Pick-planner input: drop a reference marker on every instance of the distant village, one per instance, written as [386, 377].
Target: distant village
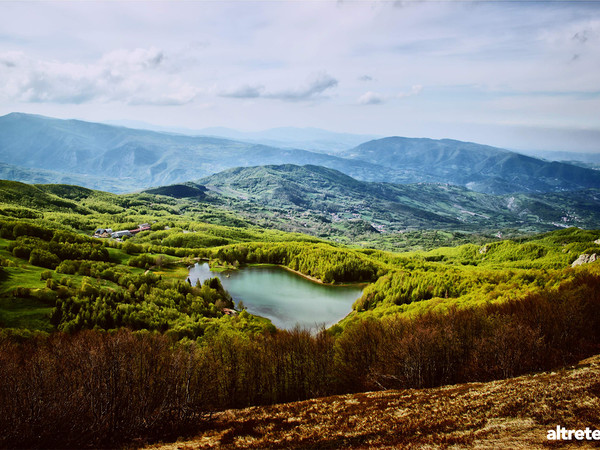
[109, 233]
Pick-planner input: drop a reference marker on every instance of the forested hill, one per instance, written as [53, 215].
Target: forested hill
[337, 198]
[478, 167]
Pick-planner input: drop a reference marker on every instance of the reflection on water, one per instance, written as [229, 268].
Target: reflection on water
[284, 297]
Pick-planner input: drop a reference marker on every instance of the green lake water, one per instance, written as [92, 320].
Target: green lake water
[283, 297]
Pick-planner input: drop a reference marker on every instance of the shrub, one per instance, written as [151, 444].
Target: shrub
[43, 258]
[46, 274]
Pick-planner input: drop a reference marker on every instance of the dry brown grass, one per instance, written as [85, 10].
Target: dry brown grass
[514, 413]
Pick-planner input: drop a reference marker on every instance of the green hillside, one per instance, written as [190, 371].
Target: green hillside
[330, 203]
[208, 227]
[187, 190]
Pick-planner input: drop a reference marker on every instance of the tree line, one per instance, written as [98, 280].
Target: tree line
[323, 261]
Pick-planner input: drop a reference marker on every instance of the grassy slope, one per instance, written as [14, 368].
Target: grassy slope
[514, 413]
[34, 314]
[21, 312]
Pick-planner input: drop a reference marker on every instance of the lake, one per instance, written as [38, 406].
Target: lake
[283, 297]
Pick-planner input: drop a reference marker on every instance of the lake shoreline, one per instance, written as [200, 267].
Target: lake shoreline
[285, 297]
[316, 280]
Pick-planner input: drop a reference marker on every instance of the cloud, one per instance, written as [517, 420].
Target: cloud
[316, 85]
[581, 36]
[374, 98]
[245, 91]
[414, 90]
[365, 78]
[370, 98]
[136, 77]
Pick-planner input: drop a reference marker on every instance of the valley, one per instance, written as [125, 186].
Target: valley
[329, 204]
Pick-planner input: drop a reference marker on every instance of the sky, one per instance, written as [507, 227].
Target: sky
[519, 75]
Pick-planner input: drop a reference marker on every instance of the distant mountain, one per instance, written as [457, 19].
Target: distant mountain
[312, 139]
[37, 148]
[552, 155]
[587, 160]
[42, 176]
[119, 159]
[475, 166]
[337, 197]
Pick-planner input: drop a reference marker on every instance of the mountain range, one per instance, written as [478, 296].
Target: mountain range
[119, 159]
[478, 167]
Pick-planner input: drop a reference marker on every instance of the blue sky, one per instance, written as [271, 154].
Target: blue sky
[523, 75]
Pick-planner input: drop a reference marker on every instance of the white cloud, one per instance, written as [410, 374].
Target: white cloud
[374, 98]
[371, 98]
[484, 62]
[414, 90]
[245, 91]
[315, 86]
[130, 76]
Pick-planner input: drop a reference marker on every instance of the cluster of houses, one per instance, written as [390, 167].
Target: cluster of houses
[109, 233]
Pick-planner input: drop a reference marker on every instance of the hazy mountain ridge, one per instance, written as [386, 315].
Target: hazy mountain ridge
[139, 158]
[308, 138]
[42, 176]
[577, 158]
[479, 167]
[119, 159]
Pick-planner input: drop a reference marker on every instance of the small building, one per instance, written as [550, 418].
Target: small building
[103, 233]
[122, 233]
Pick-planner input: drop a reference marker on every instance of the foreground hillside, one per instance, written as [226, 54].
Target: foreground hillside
[514, 413]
